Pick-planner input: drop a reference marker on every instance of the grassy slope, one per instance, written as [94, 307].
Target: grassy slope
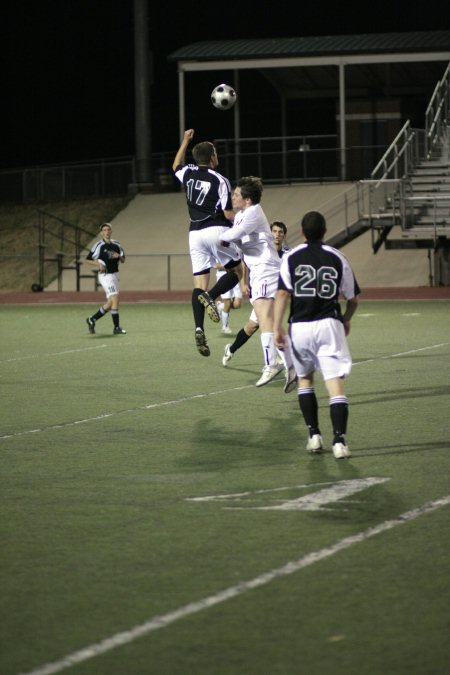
[19, 237]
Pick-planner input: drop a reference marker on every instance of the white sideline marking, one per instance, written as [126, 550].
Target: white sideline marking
[164, 620]
[394, 356]
[148, 406]
[40, 356]
[151, 406]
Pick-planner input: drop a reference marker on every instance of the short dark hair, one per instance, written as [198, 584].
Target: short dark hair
[251, 188]
[314, 226]
[280, 224]
[202, 152]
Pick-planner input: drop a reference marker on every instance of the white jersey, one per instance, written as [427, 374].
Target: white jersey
[251, 232]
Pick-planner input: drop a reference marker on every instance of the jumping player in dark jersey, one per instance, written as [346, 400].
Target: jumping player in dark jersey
[314, 276]
[105, 255]
[208, 196]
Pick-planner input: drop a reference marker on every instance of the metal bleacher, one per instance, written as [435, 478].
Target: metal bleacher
[405, 204]
[409, 203]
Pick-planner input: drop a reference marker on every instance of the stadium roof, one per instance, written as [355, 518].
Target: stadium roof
[332, 66]
[327, 45]
[299, 66]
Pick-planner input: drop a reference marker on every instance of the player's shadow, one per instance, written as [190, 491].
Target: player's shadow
[396, 394]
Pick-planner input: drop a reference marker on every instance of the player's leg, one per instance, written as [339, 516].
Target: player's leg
[227, 281]
[227, 256]
[307, 401]
[104, 280]
[335, 364]
[201, 266]
[264, 310]
[200, 286]
[301, 341]
[225, 316]
[241, 338]
[339, 416]
[115, 315]
[290, 375]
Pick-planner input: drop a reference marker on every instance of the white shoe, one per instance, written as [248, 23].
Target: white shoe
[341, 451]
[268, 373]
[314, 444]
[226, 330]
[227, 355]
[291, 380]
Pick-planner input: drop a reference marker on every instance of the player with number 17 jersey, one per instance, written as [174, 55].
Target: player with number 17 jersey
[316, 275]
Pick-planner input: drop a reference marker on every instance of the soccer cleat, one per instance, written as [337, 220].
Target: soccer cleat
[268, 373]
[201, 342]
[226, 330]
[227, 355]
[208, 303]
[118, 330]
[314, 444]
[341, 451]
[291, 380]
[91, 325]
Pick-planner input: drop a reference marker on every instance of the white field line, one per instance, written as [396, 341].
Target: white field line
[164, 620]
[152, 406]
[40, 356]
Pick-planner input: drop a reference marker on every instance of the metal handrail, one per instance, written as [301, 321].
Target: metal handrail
[437, 112]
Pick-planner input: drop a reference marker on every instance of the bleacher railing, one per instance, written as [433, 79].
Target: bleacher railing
[437, 114]
[278, 159]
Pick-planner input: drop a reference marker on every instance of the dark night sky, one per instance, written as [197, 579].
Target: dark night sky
[68, 66]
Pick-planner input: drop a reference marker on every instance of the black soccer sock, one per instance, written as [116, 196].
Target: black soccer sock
[310, 410]
[240, 339]
[98, 315]
[198, 309]
[339, 417]
[224, 284]
[115, 317]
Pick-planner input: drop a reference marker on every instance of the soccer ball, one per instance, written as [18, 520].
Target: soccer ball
[223, 97]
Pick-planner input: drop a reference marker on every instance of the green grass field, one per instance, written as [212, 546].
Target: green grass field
[160, 515]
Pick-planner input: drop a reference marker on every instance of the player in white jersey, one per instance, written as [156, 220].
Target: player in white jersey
[279, 232]
[251, 232]
[314, 276]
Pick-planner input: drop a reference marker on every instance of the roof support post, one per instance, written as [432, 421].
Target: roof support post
[181, 103]
[343, 158]
[237, 128]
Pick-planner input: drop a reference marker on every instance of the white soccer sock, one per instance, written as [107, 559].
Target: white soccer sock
[269, 351]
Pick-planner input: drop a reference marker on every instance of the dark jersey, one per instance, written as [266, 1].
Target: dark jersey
[316, 275]
[101, 250]
[208, 195]
[284, 249]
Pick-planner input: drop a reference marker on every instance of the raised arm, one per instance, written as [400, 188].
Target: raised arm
[180, 157]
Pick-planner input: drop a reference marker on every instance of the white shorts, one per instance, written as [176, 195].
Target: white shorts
[320, 345]
[205, 250]
[263, 281]
[235, 292]
[109, 283]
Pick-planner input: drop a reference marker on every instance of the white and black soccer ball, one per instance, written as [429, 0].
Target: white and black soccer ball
[223, 97]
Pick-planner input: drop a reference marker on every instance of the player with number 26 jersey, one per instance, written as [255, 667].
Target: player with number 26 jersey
[316, 274]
